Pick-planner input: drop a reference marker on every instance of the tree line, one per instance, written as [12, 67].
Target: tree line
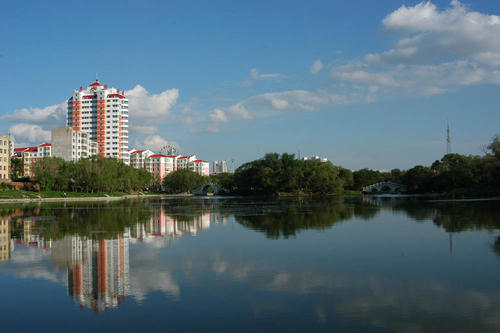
[453, 174]
[272, 174]
[276, 174]
[94, 174]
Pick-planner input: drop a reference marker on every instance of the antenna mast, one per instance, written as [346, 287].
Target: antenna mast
[448, 139]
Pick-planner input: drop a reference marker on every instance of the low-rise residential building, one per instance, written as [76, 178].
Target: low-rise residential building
[200, 167]
[31, 155]
[5, 154]
[171, 163]
[72, 145]
[156, 164]
[161, 165]
[182, 161]
[138, 158]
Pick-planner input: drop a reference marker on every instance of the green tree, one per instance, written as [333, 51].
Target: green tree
[183, 180]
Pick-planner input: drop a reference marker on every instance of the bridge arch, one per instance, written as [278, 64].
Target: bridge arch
[203, 189]
[379, 187]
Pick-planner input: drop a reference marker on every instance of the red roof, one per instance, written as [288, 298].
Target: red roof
[45, 145]
[115, 95]
[185, 157]
[158, 155]
[137, 152]
[96, 83]
[199, 161]
[16, 150]
[172, 156]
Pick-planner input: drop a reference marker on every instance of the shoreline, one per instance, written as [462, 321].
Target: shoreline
[80, 199]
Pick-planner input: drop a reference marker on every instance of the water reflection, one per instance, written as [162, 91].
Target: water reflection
[394, 279]
[95, 255]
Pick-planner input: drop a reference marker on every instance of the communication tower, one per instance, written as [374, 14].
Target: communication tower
[448, 139]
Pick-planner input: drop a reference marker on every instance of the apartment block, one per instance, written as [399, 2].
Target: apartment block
[101, 112]
[31, 155]
[219, 167]
[72, 145]
[5, 154]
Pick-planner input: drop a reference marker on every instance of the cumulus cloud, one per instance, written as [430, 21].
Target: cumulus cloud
[28, 133]
[149, 109]
[154, 143]
[51, 114]
[435, 51]
[268, 104]
[316, 67]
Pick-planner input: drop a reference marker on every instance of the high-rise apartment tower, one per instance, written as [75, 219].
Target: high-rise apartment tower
[103, 113]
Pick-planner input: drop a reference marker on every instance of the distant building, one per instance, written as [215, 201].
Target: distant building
[5, 154]
[315, 158]
[31, 155]
[219, 167]
[72, 145]
[101, 112]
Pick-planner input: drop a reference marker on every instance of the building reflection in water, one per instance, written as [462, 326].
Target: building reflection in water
[98, 270]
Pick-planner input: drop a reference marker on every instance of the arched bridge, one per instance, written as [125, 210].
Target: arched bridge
[203, 189]
[382, 186]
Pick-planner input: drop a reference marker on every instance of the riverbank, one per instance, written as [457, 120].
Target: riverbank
[87, 198]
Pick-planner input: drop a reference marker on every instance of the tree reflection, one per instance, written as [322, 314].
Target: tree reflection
[286, 218]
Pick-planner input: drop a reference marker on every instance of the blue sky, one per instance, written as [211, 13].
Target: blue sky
[363, 83]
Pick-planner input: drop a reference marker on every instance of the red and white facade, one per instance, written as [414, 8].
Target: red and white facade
[201, 167]
[161, 165]
[103, 113]
[138, 158]
[30, 155]
[156, 164]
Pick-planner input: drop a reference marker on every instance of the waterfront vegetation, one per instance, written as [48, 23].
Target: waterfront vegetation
[454, 175]
[92, 175]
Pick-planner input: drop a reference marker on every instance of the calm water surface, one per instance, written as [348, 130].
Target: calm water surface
[247, 265]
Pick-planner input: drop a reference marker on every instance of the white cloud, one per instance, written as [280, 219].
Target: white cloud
[294, 100]
[52, 114]
[437, 51]
[254, 74]
[154, 143]
[232, 113]
[316, 67]
[28, 133]
[150, 109]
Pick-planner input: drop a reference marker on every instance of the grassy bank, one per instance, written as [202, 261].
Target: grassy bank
[21, 194]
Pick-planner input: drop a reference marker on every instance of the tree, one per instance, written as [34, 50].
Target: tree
[183, 180]
[16, 168]
[494, 146]
[366, 177]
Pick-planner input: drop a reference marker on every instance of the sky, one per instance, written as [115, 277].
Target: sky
[363, 83]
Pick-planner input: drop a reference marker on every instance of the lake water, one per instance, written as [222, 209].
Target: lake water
[251, 265]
